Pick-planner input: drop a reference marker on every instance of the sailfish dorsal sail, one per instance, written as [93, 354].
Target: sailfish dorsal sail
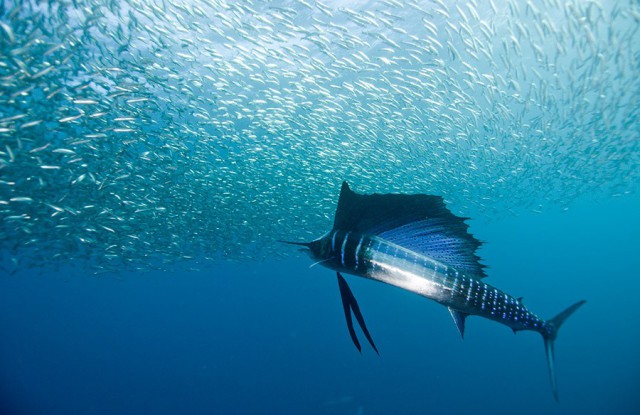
[421, 223]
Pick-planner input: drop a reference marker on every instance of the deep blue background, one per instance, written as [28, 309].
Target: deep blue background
[265, 338]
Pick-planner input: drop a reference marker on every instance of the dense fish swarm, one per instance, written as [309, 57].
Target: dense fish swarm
[141, 133]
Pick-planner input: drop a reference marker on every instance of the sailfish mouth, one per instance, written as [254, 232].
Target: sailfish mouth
[307, 245]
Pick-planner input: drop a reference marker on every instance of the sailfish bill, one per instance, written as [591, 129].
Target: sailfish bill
[414, 242]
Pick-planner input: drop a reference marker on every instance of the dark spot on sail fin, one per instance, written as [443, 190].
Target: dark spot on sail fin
[349, 304]
[459, 318]
[420, 222]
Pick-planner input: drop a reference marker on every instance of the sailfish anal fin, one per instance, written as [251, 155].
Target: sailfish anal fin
[349, 304]
[459, 318]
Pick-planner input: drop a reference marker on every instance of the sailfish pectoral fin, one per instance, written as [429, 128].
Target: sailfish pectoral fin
[349, 304]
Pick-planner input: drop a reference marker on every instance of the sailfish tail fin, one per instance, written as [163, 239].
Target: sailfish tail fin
[549, 334]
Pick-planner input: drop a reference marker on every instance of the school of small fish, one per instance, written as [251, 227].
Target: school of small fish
[146, 134]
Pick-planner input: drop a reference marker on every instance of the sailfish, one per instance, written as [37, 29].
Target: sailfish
[414, 242]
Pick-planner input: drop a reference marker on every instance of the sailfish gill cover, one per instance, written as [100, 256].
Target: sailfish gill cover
[146, 135]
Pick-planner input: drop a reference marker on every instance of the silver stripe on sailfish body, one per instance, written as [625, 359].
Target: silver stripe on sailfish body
[415, 243]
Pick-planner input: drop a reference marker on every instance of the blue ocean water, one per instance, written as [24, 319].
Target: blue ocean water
[153, 153]
[264, 338]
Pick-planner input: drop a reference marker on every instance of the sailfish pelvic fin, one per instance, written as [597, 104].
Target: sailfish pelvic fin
[349, 304]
